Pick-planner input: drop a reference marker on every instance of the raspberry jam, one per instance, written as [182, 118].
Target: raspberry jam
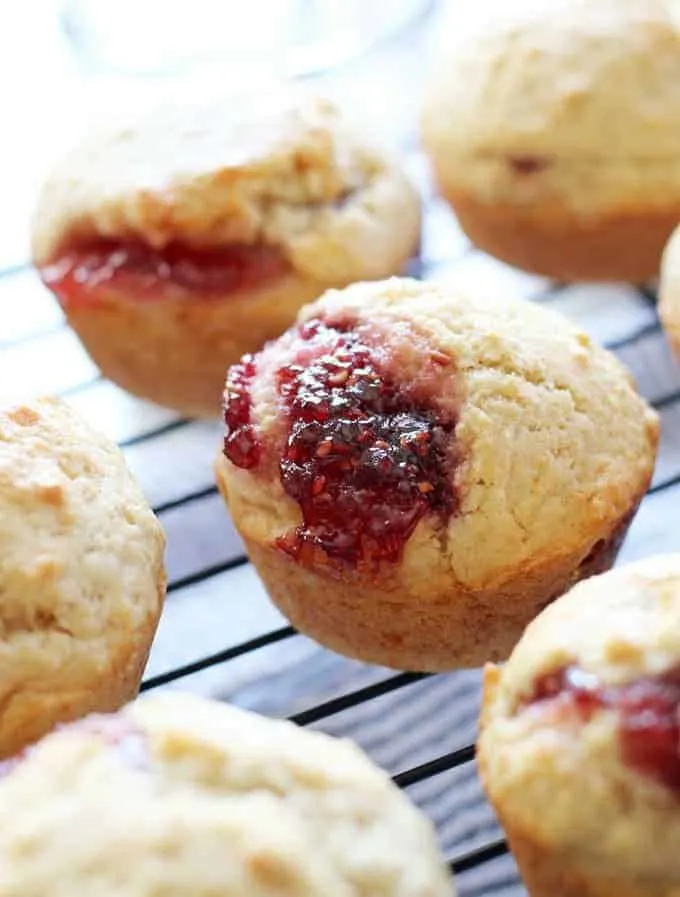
[81, 275]
[648, 711]
[365, 457]
[241, 445]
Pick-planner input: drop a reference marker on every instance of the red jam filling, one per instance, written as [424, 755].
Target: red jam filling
[648, 712]
[241, 445]
[82, 275]
[365, 457]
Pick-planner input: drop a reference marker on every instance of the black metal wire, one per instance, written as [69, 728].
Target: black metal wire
[664, 484]
[435, 767]
[666, 401]
[269, 638]
[197, 495]
[147, 435]
[479, 855]
[353, 698]
[192, 579]
[648, 294]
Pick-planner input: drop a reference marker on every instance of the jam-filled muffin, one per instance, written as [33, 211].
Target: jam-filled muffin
[81, 573]
[580, 738]
[181, 797]
[554, 132]
[417, 472]
[182, 240]
[669, 291]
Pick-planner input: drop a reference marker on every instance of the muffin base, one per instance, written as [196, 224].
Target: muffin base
[547, 874]
[70, 693]
[176, 352]
[428, 625]
[552, 241]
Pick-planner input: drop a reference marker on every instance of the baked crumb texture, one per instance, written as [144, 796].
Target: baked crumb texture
[554, 132]
[178, 795]
[81, 573]
[579, 738]
[416, 473]
[178, 242]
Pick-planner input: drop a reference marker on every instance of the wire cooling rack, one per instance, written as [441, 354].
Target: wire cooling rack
[220, 636]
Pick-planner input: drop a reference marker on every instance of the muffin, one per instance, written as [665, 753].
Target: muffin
[81, 573]
[180, 241]
[416, 472]
[669, 291]
[579, 738]
[177, 795]
[554, 133]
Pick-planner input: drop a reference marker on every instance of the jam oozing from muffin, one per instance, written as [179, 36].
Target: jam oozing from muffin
[648, 716]
[82, 275]
[241, 444]
[365, 456]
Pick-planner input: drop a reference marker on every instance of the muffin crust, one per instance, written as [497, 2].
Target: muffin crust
[81, 576]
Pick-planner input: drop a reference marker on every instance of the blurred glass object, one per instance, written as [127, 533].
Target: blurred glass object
[289, 38]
